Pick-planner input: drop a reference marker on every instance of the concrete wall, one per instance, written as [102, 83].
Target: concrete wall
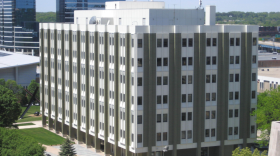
[274, 143]
[269, 63]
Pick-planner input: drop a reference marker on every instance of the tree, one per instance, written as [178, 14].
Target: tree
[32, 87]
[268, 110]
[247, 152]
[2, 82]
[14, 143]
[66, 149]
[17, 89]
[9, 107]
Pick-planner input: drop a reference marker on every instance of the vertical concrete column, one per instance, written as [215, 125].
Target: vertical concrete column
[117, 150]
[71, 129]
[42, 76]
[55, 82]
[63, 126]
[49, 80]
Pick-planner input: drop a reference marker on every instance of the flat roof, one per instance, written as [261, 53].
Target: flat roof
[269, 43]
[268, 56]
[269, 72]
[11, 59]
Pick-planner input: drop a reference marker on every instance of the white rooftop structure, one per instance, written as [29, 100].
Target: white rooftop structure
[8, 60]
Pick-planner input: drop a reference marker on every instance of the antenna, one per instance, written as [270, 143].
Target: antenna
[200, 4]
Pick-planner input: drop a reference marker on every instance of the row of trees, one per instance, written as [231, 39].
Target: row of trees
[46, 17]
[237, 17]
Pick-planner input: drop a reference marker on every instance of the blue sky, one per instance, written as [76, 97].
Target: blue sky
[222, 5]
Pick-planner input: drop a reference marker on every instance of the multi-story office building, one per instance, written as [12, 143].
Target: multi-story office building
[18, 26]
[132, 81]
[65, 8]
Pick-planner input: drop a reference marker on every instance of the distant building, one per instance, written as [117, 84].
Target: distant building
[65, 8]
[18, 67]
[268, 31]
[18, 26]
[135, 78]
[274, 142]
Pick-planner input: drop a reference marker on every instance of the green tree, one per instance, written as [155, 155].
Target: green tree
[31, 88]
[268, 110]
[9, 107]
[17, 89]
[247, 152]
[66, 149]
[14, 143]
[2, 82]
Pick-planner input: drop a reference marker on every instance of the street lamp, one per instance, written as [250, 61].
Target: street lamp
[165, 149]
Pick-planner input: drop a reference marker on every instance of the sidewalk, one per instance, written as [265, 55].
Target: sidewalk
[36, 124]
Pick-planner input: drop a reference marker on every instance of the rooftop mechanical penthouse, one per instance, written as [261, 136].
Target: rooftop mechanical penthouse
[136, 78]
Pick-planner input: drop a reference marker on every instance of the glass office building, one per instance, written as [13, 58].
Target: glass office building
[65, 8]
[18, 26]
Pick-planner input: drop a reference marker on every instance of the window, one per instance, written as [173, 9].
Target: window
[183, 134]
[158, 117]
[139, 119]
[132, 137]
[164, 99]
[139, 100]
[236, 59]
[165, 42]
[252, 129]
[254, 41]
[213, 114]
[189, 116]
[132, 62]
[165, 80]
[230, 113]
[236, 95]
[139, 62]
[190, 61]
[132, 81]
[139, 81]
[164, 136]
[184, 98]
[132, 42]
[235, 130]
[159, 42]
[253, 94]
[214, 42]
[208, 41]
[253, 76]
[254, 59]
[236, 77]
[159, 99]
[237, 41]
[190, 42]
[213, 96]
[207, 96]
[164, 117]
[206, 132]
[236, 113]
[183, 116]
[158, 136]
[158, 61]
[231, 60]
[132, 99]
[207, 78]
[230, 77]
[230, 131]
[213, 78]
[139, 43]
[158, 80]
[144, 21]
[120, 21]
[189, 97]
[139, 138]
[214, 60]
[184, 61]
[184, 42]
[230, 95]
[213, 133]
[189, 134]
[207, 115]
[231, 41]
[165, 61]
[208, 60]
[184, 81]
[189, 79]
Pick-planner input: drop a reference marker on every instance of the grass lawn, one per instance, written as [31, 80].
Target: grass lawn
[25, 124]
[42, 136]
[31, 111]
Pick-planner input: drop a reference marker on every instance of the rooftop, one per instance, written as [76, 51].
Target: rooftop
[9, 59]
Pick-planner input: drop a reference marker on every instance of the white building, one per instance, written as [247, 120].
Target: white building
[136, 77]
[18, 67]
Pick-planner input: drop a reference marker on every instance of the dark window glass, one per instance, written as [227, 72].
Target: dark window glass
[190, 42]
[231, 41]
[184, 98]
[184, 81]
[183, 116]
[165, 61]
[208, 42]
[164, 136]
[139, 119]
[230, 77]
[190, 62]
[189, 79]
[139, 81]
[139, 100]
[236, 77]
[158, 61]
[165, 80]
[184, 61]
[158, 80]
[139, 43]
[164, 117]
[159, 42]
[252, 129]
[230, 131]
[230, 113]
[253, 76]
[254, 41]
[158, 99]
[230, 95]
[207, 78]
[214, 60]
[236, 95]
[236, 59]
[254, 59]
[139, 138]
[207, 114]
[237, 41]
[189, 116]
[213, 78]
[189, 97]
[165, 42]
[208, 60]
[164, 99]
[139, 62]
[184, 42]
[231, 60]
[189, 134]
[236, 113]
[213, 115]
[213, 96]
[253, 94]
[158, 136]
[213, 132]
[235, 130]
[132, 42]
[206, 132]
[183, 134]
[214, 42]
[207, 96]
[158, 117]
